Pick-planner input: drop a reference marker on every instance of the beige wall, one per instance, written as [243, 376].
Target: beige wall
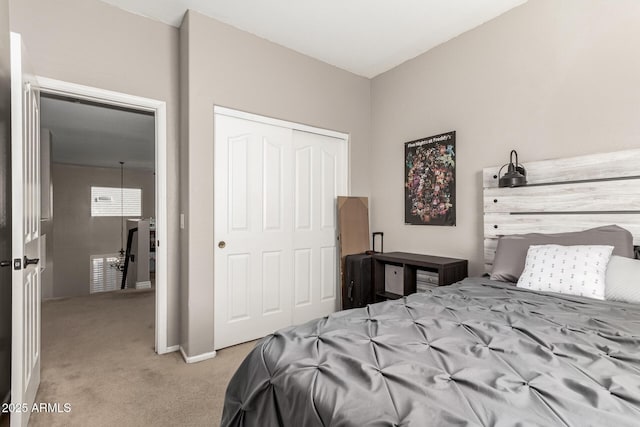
[235, 69]
[91, 43]
[184, 182]
[549, 78]
[76, 234]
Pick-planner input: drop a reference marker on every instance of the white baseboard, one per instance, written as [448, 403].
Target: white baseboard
[143, 285]
[170, 349]
[198, 358]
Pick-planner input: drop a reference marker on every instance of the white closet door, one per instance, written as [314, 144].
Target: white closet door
[320, 171]
[252, 227]
[274, 227]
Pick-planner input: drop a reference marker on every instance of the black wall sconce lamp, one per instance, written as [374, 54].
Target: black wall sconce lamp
[516, 175]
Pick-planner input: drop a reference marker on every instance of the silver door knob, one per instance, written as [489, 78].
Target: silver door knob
[221, 244]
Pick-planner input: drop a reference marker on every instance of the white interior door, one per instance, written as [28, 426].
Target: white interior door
[252, 218]
[25, 198]
[274, 227]
[320, 177]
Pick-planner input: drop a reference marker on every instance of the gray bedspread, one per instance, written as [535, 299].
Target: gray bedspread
[477, 353]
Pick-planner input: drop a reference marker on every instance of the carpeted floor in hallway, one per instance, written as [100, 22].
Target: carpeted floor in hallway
[97, 355]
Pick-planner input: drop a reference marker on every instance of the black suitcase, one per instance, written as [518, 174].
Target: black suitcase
[357, 291]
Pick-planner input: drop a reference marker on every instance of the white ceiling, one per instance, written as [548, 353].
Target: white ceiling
[366, 37]
[91, 135]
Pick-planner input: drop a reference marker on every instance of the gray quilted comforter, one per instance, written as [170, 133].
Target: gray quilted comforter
[477, 353]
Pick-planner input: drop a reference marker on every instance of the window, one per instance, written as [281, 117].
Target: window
[105, 201]
[104, 277]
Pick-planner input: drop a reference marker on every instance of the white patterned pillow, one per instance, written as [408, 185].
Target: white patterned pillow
[623, 279]
[573, 270]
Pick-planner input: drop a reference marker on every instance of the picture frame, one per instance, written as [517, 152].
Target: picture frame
[430, 180]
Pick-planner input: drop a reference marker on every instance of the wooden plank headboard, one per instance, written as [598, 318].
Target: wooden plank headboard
[562, 195]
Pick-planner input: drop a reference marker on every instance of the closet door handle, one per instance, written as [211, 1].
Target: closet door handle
[6, 263]
[221, 244]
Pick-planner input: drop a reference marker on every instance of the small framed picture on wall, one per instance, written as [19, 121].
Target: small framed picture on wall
[430, 180]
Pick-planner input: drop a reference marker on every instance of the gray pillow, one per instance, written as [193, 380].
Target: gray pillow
[512, 249]
[622, 282]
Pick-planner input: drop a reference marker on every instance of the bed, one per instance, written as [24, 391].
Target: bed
[475, 353]
[479, 352]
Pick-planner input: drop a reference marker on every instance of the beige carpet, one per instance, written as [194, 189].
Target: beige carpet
[97, 355]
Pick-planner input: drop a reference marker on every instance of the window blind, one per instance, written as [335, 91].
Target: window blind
[104, 278]
[105, 201]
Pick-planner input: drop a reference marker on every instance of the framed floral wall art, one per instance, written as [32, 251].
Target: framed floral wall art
[430, 180]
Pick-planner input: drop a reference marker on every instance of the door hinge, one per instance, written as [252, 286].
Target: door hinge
[158, 243]
[17, 264]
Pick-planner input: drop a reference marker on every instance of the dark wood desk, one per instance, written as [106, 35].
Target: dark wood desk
[448, 270]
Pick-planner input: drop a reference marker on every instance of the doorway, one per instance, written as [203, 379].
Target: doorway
[97, 165]
[157, 111]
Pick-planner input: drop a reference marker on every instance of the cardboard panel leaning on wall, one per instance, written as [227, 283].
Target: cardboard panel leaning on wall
[92, 43]
[568, 90]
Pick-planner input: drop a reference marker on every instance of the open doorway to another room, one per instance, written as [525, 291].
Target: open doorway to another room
[98, 207]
